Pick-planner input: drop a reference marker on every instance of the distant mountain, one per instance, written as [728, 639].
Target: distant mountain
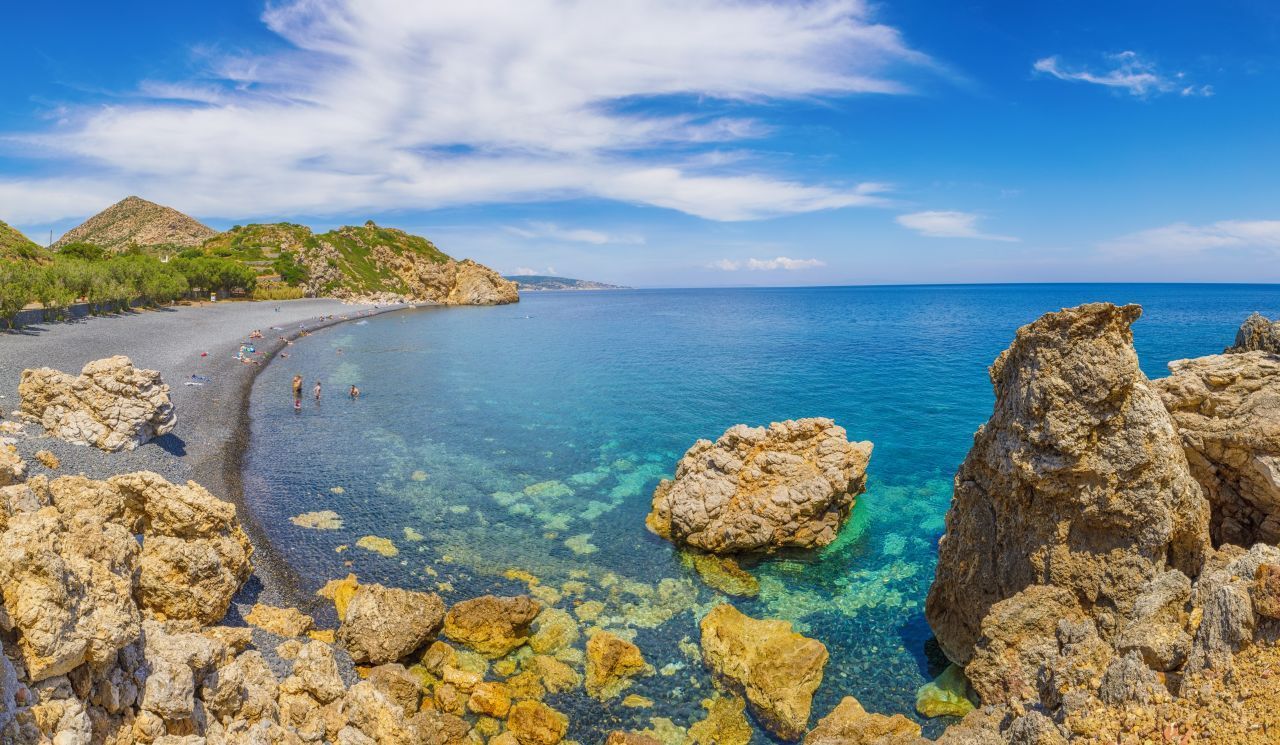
[535, 282]
[15, 245]
[135, 221]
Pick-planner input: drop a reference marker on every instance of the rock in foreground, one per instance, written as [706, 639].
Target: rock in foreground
[110, 405]
[1078, 480]
[382, 624]
[790, 485]
[776, 669]
[850, 724]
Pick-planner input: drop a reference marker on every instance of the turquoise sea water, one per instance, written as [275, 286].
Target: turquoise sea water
[530, 437]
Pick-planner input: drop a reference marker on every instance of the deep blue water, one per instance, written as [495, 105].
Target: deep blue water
[538, 431]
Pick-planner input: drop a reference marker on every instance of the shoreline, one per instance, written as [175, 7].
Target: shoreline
[214, 432]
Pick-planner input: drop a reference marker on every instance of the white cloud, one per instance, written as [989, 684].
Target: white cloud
[398, 104]
[526, 271]
[766, 265]
[1126, 71]
[1181, 239]
[948, 224]
[550, 230]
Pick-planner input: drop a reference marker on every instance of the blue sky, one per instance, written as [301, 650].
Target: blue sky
[676, 143]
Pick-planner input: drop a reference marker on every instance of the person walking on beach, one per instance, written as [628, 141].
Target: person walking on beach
[317, 390]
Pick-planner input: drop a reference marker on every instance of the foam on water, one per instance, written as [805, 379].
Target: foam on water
[493, 446]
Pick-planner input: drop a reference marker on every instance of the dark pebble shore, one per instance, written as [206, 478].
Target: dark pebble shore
[212, 431]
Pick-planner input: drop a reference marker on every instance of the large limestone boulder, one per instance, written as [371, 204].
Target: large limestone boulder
[383, 624]
[776, 669]
[790, 485]
[110, 405]
[1078, 480]
[1257, 334]
[1227, 410]
[850, 724]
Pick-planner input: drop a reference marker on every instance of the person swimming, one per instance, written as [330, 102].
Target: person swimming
[354, 392]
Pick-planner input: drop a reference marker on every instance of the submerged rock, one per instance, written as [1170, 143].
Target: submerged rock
[491, 625]
[535, 723]
[790, 485]
[945, 695]
[1077, 481]
[110, 405]
[611, 663]
[383, 624]
[776, 669]
[1227, 411]
[850, 724]
[1257, 334]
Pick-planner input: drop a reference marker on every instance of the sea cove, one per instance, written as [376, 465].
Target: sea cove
[515, 449]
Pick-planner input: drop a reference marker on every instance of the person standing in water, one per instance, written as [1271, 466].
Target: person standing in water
[317, 390]
[355, 392]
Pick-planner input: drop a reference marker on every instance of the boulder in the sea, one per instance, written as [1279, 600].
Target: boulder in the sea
[491, 625]
[110, 405]
[611, 663]
[1078, 481]
[850, 724]
[776, 669]
[383, 624]
[1257, 334]
[1227, 411]
[758, 489]
[946, 695]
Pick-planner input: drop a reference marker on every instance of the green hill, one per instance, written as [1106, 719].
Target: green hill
[15, 245]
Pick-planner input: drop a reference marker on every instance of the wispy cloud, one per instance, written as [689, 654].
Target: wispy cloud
[525, 271]
[552, 231]
[767, 265]
[394, 104]
[1182, 239]
[948, 224]
[1125, 71]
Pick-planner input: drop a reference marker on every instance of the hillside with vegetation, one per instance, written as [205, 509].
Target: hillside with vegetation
[15, 245]
[135, 222]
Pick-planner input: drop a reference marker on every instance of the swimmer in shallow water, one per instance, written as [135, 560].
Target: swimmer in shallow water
[354, 392]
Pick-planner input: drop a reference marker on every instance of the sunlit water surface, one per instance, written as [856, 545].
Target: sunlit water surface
[530, 438]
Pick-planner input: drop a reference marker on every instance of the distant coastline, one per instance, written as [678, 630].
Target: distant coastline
[546, 283]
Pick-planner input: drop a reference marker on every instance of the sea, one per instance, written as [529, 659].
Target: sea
[515, 449]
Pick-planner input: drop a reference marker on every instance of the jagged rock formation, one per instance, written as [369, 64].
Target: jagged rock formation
[773, 667]
[790, 485]
[13, 469]
[1227, 410]
[110, 405]
[134, 221]
[1256, 334]
[1113, 619]
[1078, 480]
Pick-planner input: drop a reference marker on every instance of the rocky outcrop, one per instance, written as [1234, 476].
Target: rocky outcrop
[462, 283]
[110, 405]
[850, 724]
[492, 626]
[759, 489]
[611, 663]
[1227, 411]
[776, 669]
[1257, 334]
[1077, 481]
[382, 624]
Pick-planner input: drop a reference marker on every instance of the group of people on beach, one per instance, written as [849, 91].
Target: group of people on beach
[353, 392]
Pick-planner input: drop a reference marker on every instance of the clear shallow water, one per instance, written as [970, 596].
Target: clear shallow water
[530, 438]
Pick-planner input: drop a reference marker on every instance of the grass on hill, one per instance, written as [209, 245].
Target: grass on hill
[16, 246]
